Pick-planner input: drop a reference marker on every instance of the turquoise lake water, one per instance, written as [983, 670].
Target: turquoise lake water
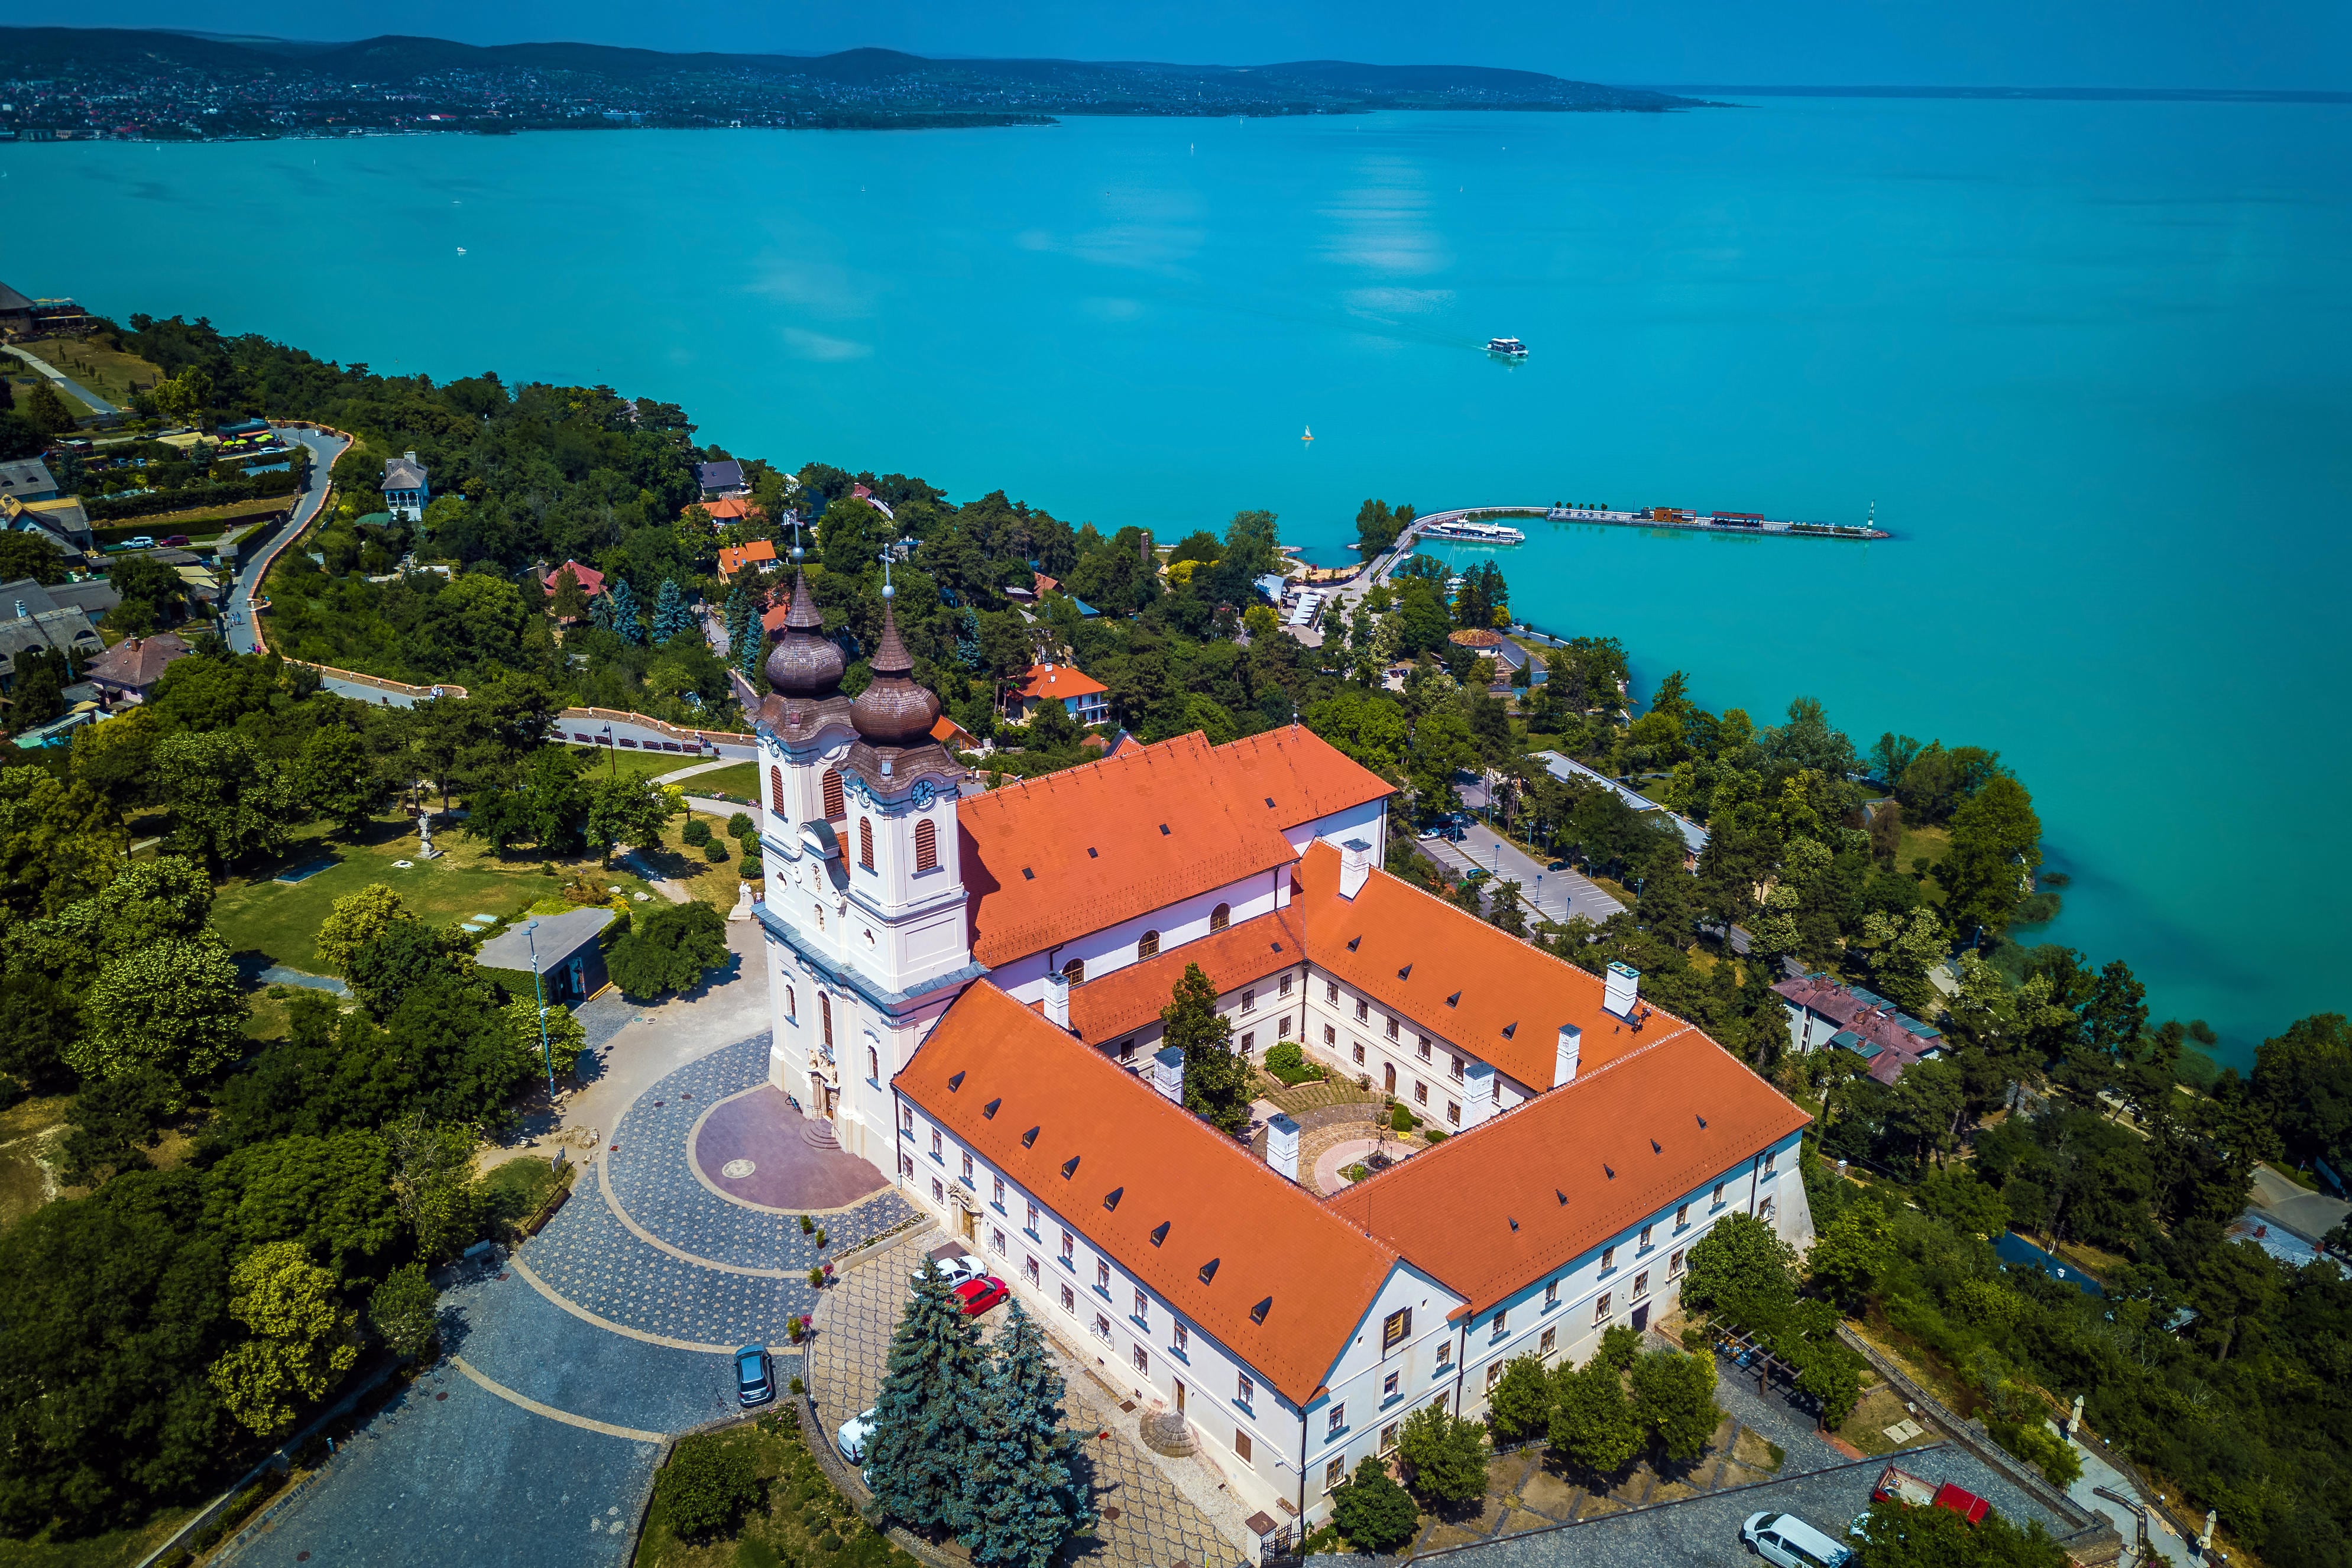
[2092, 362]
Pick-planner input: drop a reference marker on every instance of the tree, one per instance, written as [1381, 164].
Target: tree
[301, 1340]
[405, 956]
[182, 399]
[1741, 1269]
[174, 1005]
[1593, 1424]
[1674, 1401]
[670, 615]
[1852, 1254]
[432, 1182]
[226, 799]
[405, 1312]
[153, 596]
[1024, 1489]
[924, 1437]
[47, 412]
[1520, 1404]
[1996, 844]
[38, 695]
[623, 609]
[708, 1484]
[30, 555]
[669, 950]
[566, 1038]
[59, 841]
[623, 810]
[1900, 1536]
[1216, 1079]
[1503, 910]
[1372, 1511]
[1447, 1455]
[115, 1122]
[569, 600]
[331, 1196]
[357, 919]
[335, 777]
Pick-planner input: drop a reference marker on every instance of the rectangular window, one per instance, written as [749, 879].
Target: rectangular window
[996, 1191]
[1645, 1237]
[1395, 1329]
[1682, 1217]
[996, 1240]
[1282, 1030]
[1142, 1308]
[1334, 1473]
[1497, 1327]
[1241, 1445]
[1284, 987]
[1363, 1011]
[1244, 1392]
[1457, 1069]
[1550, 1338]
[1771, 1156]
[1452, 1114]
[1249, 1000]
[1338, 1421]
[1423, 1048]
[1674, 1267]
[1249, 1041]
[1029, 1268]
[967, 1170]
[1069, 1300]
[1360, 1053]
[1331, 993]
[1033, 1219]
[1069, 1250]
[1102, 1327]
[1420, 1093]
[1387, 1388]
[1389, 1437]
[907, 1120]
[1179, 1338]
[1718, 1199]
[1142, 1361]
[1126, 1049]
[1551, 1293]
[1444, 1354]
[1601, 1309]
[938, 1193]
[1640, 1284]
[1331, 1036]
[936, 1152]
[1102, 1277]
[1608, 1258]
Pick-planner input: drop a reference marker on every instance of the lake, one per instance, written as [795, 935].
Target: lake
[2090, 361]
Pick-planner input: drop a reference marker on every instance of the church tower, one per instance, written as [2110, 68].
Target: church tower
[868, 935]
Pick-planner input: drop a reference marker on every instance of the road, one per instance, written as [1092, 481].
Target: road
[63, 382]
[238, 611]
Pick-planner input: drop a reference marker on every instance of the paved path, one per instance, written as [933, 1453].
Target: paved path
[2308, 1214]
[61, 380]
[237, 612]
[1558, 896]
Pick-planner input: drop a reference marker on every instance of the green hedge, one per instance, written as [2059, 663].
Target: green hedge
[190, 497]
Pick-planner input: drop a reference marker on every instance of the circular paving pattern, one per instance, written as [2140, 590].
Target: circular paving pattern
[736, 1170]
[755, 1149]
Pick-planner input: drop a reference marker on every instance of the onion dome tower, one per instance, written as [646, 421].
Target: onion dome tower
[805, 662]
[894, 711]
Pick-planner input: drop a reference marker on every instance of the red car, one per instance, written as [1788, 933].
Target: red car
[977, 1296]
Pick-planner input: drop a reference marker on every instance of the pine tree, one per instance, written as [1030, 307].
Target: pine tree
[600, 612]
[752, 654]
[1023, 1487]
[1216, 1080]
[569, 601]
[739, 619]
[921, 1445]
[670, 616]
[624, 613]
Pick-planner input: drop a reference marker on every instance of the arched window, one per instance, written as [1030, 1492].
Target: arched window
[835, 808]
[1075, 971]
[927, 846]
[791, 1003]
[872, 1064]
[1148, 946]
[866, 842]
[825, 1018]
[818, 911]
[1221, 917]
[776, 792]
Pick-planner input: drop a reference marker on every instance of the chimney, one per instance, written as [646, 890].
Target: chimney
[1282, 1145]
[1168, 1072]
[1057, 1000]
[412, 454]
[1563, 1064]
[1625, 984]
[1355, 866]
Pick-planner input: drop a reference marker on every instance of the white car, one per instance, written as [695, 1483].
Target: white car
[1787, 1541]
[963, 1266]
[851, 1438]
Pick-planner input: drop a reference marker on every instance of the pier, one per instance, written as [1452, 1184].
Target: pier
[1750, 524]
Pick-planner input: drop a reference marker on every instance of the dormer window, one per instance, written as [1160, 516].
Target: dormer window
[1221, 917]
[1147, 945]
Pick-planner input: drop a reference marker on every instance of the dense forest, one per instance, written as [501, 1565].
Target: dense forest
[2058, 1106]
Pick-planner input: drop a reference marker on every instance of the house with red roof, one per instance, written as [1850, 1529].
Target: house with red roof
[757, 556]
[1086, 699]
[966, 992]
[591, 581]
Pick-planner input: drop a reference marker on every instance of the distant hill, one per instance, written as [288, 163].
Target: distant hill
[225, 84]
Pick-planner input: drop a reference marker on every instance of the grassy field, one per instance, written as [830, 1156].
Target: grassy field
[716, 883]
[1927, 843]
[741, 782]
[634, 764]
[282, 920]
[107, 372]
[800, 1518]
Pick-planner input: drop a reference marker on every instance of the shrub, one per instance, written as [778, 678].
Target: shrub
[750, 868]
[1286, 1062]
[1400, 1119]
[799, 1387]
[828, 1542]
[808, 1225]
[1372, 1511]
[740, 825]
[697, 832]
[716, 851]
[669, 950]
[817, 1278]
[706, 1487]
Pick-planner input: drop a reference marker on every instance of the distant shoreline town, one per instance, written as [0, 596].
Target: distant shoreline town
[64, 84]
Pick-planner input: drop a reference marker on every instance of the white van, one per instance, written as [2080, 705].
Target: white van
[1789, 1541]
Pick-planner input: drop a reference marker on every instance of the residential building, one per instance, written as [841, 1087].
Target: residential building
[724, 477]
[25, 596]
[1086, 699]
[131, 668]
[28, 479]
[1825, 1011]
[759, 556]
[954, 736]
[966, 992]
[406, 487]
[60, 519]
[724, 510]
[57, 631]
[591, 581]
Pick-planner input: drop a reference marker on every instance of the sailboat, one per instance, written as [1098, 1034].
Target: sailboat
[1310, 434]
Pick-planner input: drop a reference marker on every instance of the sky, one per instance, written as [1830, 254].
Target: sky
[2259, 44]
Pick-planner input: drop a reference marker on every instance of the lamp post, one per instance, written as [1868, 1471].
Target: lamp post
[546, 1052]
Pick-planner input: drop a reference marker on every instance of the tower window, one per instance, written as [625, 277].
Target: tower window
[1221, 917]
[927, 846]
[824, 1016]
[776, 792]
[866, 842]
[835, 809]
[791, 1008]
[1148, 945]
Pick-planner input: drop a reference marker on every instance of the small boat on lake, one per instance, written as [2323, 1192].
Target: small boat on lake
[1507, 348]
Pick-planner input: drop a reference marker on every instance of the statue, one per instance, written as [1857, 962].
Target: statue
[424, 834]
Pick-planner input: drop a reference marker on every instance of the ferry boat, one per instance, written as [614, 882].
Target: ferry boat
[1509, 348]
[1470, 533]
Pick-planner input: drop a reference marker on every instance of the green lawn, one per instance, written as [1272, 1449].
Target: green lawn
[262, 915]
[741, 782]
[607, 762]
[1927, 843]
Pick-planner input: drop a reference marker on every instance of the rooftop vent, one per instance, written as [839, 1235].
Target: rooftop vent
[1160, 1232]
[1111, 1199]
[1453, 999]
[1406, 972]
[1606, 1171]
[1090, 853]
[1208, 1270]
[987, 1112]
[1269, 803]
[1258, 1312]
[1515, 1223]
[955, 1083]
[1028, 875]
[1352, 941]
[1163, 830]
[1030, 1137]
[1561, 1197]
[1070, 1167]
[1702, 1121]
[1657, 1147]
[1510, 1028]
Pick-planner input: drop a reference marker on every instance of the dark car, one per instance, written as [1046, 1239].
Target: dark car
[1557, 866]
[755, 1376]
[175, 541]
[977, 1296]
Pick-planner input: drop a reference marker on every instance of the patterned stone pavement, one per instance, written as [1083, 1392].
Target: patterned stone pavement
[653, 1177]
[1157, 1526]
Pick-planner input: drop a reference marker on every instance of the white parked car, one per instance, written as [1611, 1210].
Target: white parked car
[851, 1438]
[1789, 1541]
[963, 1266]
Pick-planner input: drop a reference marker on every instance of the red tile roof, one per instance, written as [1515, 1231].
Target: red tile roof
[725, 509]
[1055, 858]
[1127, 999]
[591, 580]
[1302, 774]
[945, 730]
[1460, 977]
[734, 558]
[1012, 1071]
[137, 663]
[1061, 681]
[1573, 1168]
